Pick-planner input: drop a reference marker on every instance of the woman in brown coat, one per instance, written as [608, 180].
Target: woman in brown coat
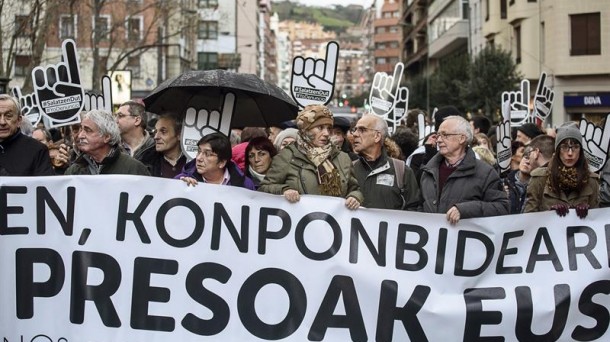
[566, 182]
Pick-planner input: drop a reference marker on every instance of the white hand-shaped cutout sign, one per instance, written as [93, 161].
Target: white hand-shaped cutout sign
[519, 104]
[313, 80]
[385, 91]
[422, 130]
[543, 100]
[201, 122]
[503, 135]
[29, 106]
[401, 106]
[58, 87]
[595, 142]
[101, 102]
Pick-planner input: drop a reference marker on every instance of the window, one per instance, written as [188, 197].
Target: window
[207, 60]
[208, 30]
[380, 46]
[586, 34]
[133, 64]
[23, 26]
[21, 65]
[381, 60]
[208, 3]
[134, 28]
[487, 10]
[511, 2]
[503, 9]
[101, 27]
[67, 25]
[517, 32]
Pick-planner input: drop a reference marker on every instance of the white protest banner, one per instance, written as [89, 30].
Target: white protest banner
[141, 259]
[313, 80]
[58, 87]
[595, 142]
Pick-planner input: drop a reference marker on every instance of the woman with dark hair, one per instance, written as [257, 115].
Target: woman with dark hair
[259, 153]
[213, 164]
[567, 182]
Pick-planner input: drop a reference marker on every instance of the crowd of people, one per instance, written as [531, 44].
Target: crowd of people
[453, 171]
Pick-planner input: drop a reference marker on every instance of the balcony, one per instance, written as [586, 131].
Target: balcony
[450, 40]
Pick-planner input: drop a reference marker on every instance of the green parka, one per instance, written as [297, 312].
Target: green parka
[290, 169]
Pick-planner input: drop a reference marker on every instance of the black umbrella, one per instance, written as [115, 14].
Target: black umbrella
[257, 103]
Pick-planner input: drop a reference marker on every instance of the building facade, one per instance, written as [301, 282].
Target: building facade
[388, 37]
[566, 40]
[149, 40]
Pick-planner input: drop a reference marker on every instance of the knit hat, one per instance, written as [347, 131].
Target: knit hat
[530, 129]
[288, 132]
[444, 112]
[313, 116]
[567, 131]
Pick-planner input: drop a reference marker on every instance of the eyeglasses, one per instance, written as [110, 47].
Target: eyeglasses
[207, 153]
[121, 115]
[361, 129]
[446, 135]
[566, 148]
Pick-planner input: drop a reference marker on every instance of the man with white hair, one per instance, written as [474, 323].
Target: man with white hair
[98, 142]
[455, 182]
[385, 182]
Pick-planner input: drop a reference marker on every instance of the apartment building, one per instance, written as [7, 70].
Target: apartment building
[150, 40]
[267, 52]
[415, 41]
[388, 36]
[563, 38]
[448, 27]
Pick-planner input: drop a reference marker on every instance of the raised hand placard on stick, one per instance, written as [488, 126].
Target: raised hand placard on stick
[519, 104]
[313, 80]
[29, 106]
[199, 122]
[103, 101]
[58, 87]
[595, 141]
[543, 100]
[385, 90]
[503, 135]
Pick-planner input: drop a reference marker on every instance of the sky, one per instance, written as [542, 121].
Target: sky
[365, 3]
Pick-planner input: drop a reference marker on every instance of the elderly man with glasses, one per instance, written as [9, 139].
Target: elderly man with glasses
[385, 182]
[454, 182]
[135, 140]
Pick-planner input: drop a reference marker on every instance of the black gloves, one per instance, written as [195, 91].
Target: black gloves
[582, 210]
[561, 209]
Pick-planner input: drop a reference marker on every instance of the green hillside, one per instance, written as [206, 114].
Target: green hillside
[336, 19]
